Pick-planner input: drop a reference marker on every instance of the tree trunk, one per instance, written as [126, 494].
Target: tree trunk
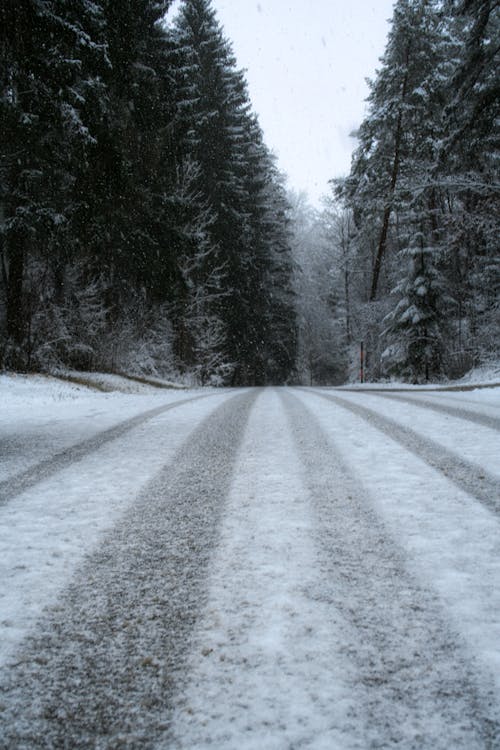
[347, 306]
[398, 136]
[382, 243]
[16, 258]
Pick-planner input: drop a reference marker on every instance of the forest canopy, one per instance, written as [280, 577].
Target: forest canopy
[420, 259]
[144, 222]
[145, 226]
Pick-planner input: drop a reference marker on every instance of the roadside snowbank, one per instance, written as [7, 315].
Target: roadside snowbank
[486, 376]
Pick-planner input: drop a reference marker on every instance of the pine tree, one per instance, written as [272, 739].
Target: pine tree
[217, 103]
[222, 137]
[45, 47]
[400, 109]
[416, 327]
[279, 354]
[392, 189]
[134, 178]
[468, 166]
[126, 180]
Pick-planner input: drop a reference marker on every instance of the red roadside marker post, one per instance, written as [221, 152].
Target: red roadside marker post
[362, 362]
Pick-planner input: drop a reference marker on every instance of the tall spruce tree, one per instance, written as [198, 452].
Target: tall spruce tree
[398, 124]
[423, 192]
[218, 105]
[127, 176]
[401, 194]
[468, 166]
[223, 139]
[46, 49]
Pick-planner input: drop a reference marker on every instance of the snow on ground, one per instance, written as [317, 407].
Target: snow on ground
[265, 672]
[40, 416]
[479, 377]
[270, 662]
[121, 383]
[482, 398]
[452, 540]
[479, 401]
[478, 444]
[46, 531]
[482, 375]
[99, 668]
[269, 665]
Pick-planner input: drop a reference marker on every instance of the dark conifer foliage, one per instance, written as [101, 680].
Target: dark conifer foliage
[47, 62]
[236, 179]
[424, 194]
[143, 223]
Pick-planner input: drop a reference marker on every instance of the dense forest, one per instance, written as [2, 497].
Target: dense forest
[144, 222]
[145, 227]
[411, 236]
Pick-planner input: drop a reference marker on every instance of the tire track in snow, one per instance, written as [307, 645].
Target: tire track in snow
[13, 486]
[265, 668]
[416, 686]
[470, 416]
[467, 476]
[100, 668]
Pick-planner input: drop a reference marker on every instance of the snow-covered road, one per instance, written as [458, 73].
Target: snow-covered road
[275, 568]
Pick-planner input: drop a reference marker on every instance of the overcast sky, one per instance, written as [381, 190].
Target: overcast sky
[306, 66]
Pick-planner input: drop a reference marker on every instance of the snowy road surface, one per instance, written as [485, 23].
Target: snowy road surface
[249, 569]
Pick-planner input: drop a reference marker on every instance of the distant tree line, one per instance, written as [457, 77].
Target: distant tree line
[414, 228]
[143, 222]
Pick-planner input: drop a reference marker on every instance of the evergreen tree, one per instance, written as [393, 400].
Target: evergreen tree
[410, 179]
[398, 127]
[468, 166]
[217, 105]
[415, 328]
[281, 341]
[136, 188]
[235, 173]
[128, 184]
[45, 49]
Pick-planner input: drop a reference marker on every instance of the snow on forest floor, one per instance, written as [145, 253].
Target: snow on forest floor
[323, 568]
[485, 376]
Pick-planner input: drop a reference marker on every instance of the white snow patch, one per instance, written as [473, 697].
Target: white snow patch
[46, 531]
[475, 443]
[122, 383]
[484, 375]
[484, 401]
[40, 416]
[265, 669]
[452, 540]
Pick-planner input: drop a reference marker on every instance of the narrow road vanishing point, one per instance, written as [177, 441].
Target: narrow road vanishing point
[303, 568]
